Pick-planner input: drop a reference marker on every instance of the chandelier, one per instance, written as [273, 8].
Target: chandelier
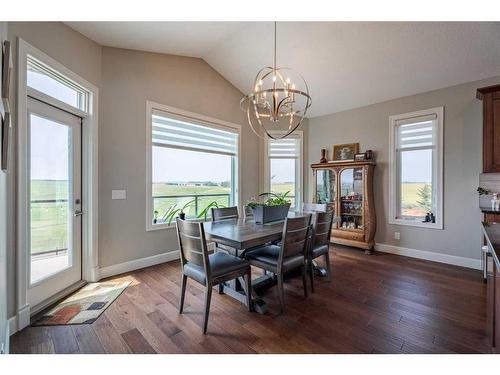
[278, 102]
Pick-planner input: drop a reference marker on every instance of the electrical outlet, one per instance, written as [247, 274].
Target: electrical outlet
[397, 235]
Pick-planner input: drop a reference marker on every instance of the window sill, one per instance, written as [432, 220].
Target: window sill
[417, 224]
[155, 227]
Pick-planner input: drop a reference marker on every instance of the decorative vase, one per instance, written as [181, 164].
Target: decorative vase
[369, 154]
[182, 216]
[323, 156]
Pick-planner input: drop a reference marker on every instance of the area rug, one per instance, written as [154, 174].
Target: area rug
[84, 306]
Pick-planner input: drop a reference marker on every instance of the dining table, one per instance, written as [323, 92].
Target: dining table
[237, 236]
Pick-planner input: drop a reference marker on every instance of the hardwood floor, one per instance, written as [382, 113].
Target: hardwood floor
[378, 303]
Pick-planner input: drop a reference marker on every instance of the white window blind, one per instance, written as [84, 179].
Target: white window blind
[284, 148]
[50, 82]
[416, 132]
[173, 131]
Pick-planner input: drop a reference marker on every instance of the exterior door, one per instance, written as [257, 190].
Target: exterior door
[54, 193]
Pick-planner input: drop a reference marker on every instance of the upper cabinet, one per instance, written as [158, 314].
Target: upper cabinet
[491, 127]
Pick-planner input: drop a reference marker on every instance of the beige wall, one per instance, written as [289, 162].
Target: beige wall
[129, 79]
[462, 163]
[77, 53]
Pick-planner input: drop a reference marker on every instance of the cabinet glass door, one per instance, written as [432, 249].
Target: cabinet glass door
[326, 187]
[351, 199]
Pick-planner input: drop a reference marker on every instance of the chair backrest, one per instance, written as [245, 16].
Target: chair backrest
[192, 243]
[224, 213]
[295, 236]
[314, 207]
[322, 227]
[248, 211]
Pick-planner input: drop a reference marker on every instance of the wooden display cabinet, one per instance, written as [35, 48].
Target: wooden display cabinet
[347, 188]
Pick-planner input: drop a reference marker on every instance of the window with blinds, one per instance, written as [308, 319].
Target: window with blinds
[284, 163]
[177, 132]
[193, 166]
[416, 168]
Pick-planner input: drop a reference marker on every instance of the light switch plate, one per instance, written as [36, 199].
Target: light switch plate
[118, 194]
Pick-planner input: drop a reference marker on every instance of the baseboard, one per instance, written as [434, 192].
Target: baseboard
[429, 255]
[12, 324]
[136, 264]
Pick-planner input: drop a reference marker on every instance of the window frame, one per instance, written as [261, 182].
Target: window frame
[394, 172]
[207, 121]
[299, 189]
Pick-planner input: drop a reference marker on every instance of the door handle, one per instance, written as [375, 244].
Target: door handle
[78, 213]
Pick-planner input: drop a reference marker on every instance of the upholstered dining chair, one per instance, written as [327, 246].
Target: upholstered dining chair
[208, 270]
[224, 213]
[320, 241]
[314, 207]
[288, 256]
[248, 212]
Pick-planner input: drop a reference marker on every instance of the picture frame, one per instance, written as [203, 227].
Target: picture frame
[6, 74]
[345, 151]
[5, 141]
[360, 156]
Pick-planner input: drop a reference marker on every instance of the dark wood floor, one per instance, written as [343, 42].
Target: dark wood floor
[375, 304]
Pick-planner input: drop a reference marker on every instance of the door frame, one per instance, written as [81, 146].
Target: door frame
[90, 269]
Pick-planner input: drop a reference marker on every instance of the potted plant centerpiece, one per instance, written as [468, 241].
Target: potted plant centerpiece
[274, 208]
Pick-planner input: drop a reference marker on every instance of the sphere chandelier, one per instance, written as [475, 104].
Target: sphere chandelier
[280, 96]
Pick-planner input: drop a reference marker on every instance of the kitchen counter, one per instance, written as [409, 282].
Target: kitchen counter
[491, 232]
[489, 210]
[492, 235]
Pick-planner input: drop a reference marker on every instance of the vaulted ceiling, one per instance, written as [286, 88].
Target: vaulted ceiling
[346, 64]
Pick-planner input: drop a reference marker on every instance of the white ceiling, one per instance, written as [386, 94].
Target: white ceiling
[346, 64]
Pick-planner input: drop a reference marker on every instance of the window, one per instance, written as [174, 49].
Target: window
[50, 82]
[416, 168]
[193, 165]
[284, 166]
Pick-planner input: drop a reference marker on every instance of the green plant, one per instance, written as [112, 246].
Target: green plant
[273, 200]
[169, 214]
[204, 212]
[181, 211]
[482, 191]
[425, 195]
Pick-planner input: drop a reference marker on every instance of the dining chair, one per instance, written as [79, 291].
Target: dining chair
[320, 241]
[208, 270]
[288, 256]
[248, 212]
[314, 207]
[224, 213]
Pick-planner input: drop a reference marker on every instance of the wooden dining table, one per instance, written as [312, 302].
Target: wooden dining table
[241, 235]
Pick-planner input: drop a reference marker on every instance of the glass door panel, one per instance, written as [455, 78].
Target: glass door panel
[351, 195]
[50, 190]
[54, 201]
[326, 187]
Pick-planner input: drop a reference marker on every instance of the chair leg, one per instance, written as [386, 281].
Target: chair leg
[183, 293]
[311, 273]
[208, 297]
[328, 267]
[248, 291]
[304, 279]
[221, 288]
[281, 292]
